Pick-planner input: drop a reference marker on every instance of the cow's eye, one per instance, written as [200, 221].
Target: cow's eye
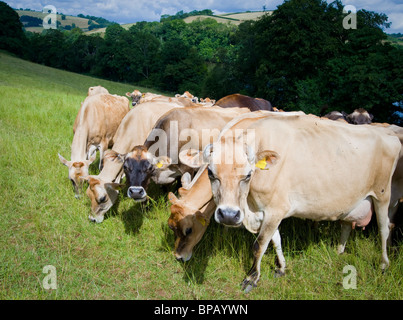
[188, 231]
[103, 199]
[247, 178]
[126, 167]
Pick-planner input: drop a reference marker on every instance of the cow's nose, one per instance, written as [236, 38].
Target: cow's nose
[136, 193]
[228, 216]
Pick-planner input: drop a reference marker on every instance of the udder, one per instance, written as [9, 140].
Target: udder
[361, 215]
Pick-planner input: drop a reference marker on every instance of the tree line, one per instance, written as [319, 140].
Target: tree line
[299, 58]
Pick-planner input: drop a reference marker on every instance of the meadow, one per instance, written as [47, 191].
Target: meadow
[130, 255]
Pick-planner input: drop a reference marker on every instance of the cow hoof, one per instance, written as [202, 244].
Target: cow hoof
[249, 288]
[250, 282]
[278, 273]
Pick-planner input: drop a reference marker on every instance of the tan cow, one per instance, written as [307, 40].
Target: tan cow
[95, 125]
[133, 130]
[190, 215]
[138, 97]
[322, 170]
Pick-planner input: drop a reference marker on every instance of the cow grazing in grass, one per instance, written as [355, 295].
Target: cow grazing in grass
[133, 130]
[95, 125]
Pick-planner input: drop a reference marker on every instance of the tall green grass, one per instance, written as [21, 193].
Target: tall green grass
[129, 255]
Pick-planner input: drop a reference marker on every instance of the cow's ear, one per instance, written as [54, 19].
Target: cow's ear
[161, 162]
[186, 179]
[90, 178]
[172, 198]
[114, 186]
[202, 218]
[123, 156]
[128, 94]
[64, 161]
[266, 159]
[191, 157]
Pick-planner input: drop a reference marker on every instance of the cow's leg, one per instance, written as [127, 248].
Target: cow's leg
[266, 233]
[276, 240]
[346, 228]
[103, 146]
[391, 213]
[381, 209]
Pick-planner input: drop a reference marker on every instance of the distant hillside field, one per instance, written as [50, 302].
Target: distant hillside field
[234, 18]
[81, 23]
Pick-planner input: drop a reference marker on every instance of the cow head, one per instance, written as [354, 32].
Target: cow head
[102, 195]
[189, 225]
[135, 95]
[360, 116]
[77, 169]
[102, 191]
[139, 167]
[230, 176]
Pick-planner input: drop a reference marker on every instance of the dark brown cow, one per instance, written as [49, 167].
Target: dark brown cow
[241, 101]
[360, 116]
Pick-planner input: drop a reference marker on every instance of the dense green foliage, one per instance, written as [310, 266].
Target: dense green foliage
[12, 37]
[299, 58]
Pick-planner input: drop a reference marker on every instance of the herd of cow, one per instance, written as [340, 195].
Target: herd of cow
[241, 161]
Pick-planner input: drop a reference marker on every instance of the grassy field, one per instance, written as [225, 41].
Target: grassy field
[129, 255]
[81, 23]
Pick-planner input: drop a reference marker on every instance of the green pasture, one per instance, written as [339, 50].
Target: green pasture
[129, 255]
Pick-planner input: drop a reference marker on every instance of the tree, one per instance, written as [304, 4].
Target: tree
[146, 48]
[301, 57]
[12, 37]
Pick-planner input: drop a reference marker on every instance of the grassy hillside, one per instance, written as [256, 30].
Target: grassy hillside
[81, 23]
[235, 18]
[129, 255]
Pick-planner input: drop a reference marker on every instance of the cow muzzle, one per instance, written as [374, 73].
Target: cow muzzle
[138, 194]
[182, 257]
[229, 216]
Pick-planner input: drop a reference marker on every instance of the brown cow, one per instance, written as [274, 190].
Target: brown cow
[360, 116]
[95, 125]
[241, 101]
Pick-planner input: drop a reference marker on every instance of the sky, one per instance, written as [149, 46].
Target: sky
[129, 11]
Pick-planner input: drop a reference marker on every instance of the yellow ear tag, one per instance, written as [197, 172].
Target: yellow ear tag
[261, 164]
[159, 165]
[202, 221]
[143, 95]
